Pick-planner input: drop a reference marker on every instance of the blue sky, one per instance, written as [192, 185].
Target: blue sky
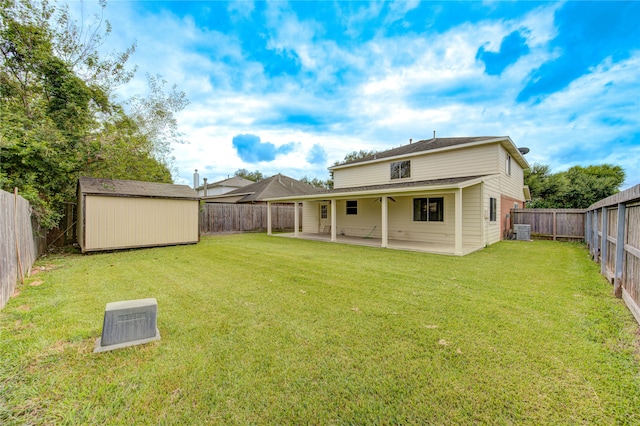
[292, 87]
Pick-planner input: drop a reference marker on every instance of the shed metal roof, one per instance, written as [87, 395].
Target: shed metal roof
[134, 188]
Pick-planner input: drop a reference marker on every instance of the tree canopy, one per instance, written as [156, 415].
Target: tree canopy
[254, 176]
[577, 187]
[58, 118]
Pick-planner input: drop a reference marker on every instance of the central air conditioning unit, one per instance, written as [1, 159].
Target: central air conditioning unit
[522, 231]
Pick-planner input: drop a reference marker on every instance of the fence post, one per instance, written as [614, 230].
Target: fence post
[555, 227]
[604, 242]
[587, 230]
[617, 283]
[594, 250]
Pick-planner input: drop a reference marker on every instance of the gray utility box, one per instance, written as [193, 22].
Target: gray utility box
[128, 323]
[523, 232]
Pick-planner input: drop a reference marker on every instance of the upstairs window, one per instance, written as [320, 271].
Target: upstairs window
[428, 209]
[352, 207]
[507, 165]
[400, 169]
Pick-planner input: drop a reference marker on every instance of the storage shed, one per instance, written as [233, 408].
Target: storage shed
[119, 214]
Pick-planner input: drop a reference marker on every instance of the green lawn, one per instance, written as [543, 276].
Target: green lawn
[267, 330]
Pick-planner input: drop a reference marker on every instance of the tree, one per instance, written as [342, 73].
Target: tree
[355, 155]
[318, 183]
[155, 119]
[255, 176]
[578, 187]
[57, 120]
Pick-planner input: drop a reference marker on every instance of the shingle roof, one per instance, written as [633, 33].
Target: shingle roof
[235, 181]
[424, 145]
[134, 188]
[403, 185]
[276, 186]
[430, 184]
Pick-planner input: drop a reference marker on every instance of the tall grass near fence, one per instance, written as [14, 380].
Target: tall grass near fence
[18, 249]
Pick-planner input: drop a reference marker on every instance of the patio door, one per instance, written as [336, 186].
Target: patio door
[324, 221]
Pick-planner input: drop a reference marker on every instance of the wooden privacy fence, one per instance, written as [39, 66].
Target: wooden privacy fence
[613, 238]
[554, 224]
[19, 247]
[221, 217]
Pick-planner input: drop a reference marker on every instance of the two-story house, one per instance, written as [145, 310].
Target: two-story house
[442, 195]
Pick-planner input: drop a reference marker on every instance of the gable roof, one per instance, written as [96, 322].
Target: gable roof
[276, 186]
[232, 182]
[134, 188]
[437, 144]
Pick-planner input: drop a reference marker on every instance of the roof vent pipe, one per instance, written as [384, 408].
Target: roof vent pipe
[196, 180]
[410, 140]
[205, 186]
[434, 134]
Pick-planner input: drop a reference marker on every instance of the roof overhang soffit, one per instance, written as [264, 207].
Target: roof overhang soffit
[375, 193]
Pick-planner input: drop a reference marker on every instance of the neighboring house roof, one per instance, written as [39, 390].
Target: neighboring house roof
[232, 182]
[276, 186]
[134, 188]
[437, 144]
[432, 184]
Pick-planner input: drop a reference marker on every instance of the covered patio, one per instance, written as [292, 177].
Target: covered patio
[444, 216]
[424, 247]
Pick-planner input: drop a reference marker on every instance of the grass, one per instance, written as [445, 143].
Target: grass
[265, 330]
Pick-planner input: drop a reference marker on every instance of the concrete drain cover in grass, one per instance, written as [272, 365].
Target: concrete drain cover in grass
[128, 323]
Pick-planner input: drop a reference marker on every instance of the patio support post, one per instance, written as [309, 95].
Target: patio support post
[296, 220]
[458, 223]
[617, 283]
[269, 218]
[385, 209]
[333, 221]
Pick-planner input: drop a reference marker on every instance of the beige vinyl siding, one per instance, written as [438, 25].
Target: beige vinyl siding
[360, 225]
[492, 229]
[472, 216]
[467, 161]
[310, 216]
[511, 185]
[403, 227]
[120, 222]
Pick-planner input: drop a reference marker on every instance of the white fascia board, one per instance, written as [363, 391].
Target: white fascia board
[378, 192]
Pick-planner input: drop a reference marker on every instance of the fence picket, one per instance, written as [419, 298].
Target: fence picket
[222, 218]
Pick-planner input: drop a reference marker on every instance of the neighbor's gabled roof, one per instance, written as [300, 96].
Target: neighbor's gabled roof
[276, 186]
[232, 182]
[134, 188]
[438, 144]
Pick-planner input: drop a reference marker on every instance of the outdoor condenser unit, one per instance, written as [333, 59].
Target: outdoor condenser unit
[522, 231]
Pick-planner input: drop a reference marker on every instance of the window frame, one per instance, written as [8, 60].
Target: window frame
[493, 209]
[403, 169]
[507, 165]
[351, 210]
[436, 216]
[324, 211]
